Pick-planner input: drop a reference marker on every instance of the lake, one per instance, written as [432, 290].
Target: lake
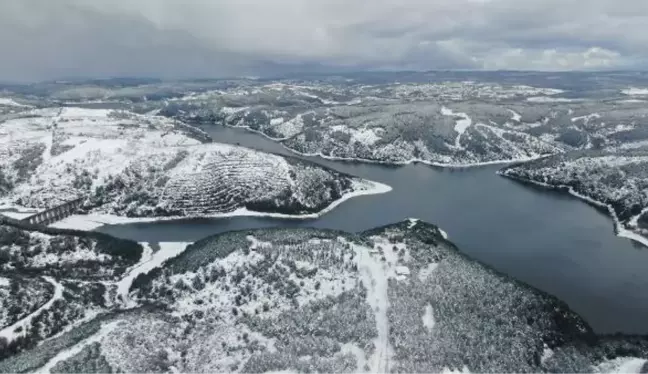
[548, 239]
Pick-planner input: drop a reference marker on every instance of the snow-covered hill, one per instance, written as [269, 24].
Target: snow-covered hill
[437, 119]
[26, 249]
[146, 166]
[52, 280]
[400, 298]
[391, 123]
[449, 124]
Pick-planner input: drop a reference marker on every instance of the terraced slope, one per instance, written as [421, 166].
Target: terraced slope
[400, 298]
[146, 166]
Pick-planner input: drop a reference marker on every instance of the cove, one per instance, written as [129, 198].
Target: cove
[547, 239]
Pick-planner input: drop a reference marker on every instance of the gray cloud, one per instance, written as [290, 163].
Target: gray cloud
[186, 38]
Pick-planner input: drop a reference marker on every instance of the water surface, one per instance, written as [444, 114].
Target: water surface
[545, 238]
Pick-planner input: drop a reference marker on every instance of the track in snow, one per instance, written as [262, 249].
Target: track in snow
[461, 125]
[8, 332]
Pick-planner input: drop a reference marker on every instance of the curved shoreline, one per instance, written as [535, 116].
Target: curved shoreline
[93, 221]
[421, 161]
[619, 227]
[389, 163]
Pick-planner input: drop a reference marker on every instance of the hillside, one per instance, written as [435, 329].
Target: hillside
[400, 298]
[134, 165]
[52, 280]
[448, 123]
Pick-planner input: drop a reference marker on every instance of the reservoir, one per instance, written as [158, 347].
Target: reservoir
[547, 239]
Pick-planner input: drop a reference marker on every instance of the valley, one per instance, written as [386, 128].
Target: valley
[374, 223]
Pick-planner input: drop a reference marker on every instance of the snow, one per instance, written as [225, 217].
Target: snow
[361, 358]
[547, 353]
[634, 221]
[621, 365]
[628, 234]
[94, 220]
[8, 208]
[634, 145]
[16, 215]
[101, 142]
[8, 332]
[81, 222]
[5, 282]
[11, 102]
[402, 270]
[148, 262]
[80, 254]
[464, 370]
[103, 146]
[443, 234]
[257, 244]
[189, 185]
[412, 222]
[516, 116]
[427, 271]
[375, 274]
[428, 317]
[449, 164]
[544, 99]
[632, 101]
[231, 110]
[222, 301]
[461, 125]
[365, 136]
[287, 129]
[276, 121]
[66, 354]
[586, 118]
[634, 91]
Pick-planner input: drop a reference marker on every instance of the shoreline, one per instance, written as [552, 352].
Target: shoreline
[92, 221]
[619, 227]
[415, 161]
[390, 163]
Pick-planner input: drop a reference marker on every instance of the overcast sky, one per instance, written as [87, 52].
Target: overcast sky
[44, 39]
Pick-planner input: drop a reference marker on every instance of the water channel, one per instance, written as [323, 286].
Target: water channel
[545, 238]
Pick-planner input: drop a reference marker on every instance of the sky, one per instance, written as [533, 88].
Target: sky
[49, 39]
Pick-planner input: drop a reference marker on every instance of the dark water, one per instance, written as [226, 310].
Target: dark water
[549, 240]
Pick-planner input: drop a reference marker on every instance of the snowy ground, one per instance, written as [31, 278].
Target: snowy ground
[66, 354]
[9, 333]
[16, 215]
[635, 91]
[399, 298]
[12, 103]
[94, 220]
[461, 125]
[149, 261]
[375, 275]
[621, 365]
[132, 165]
